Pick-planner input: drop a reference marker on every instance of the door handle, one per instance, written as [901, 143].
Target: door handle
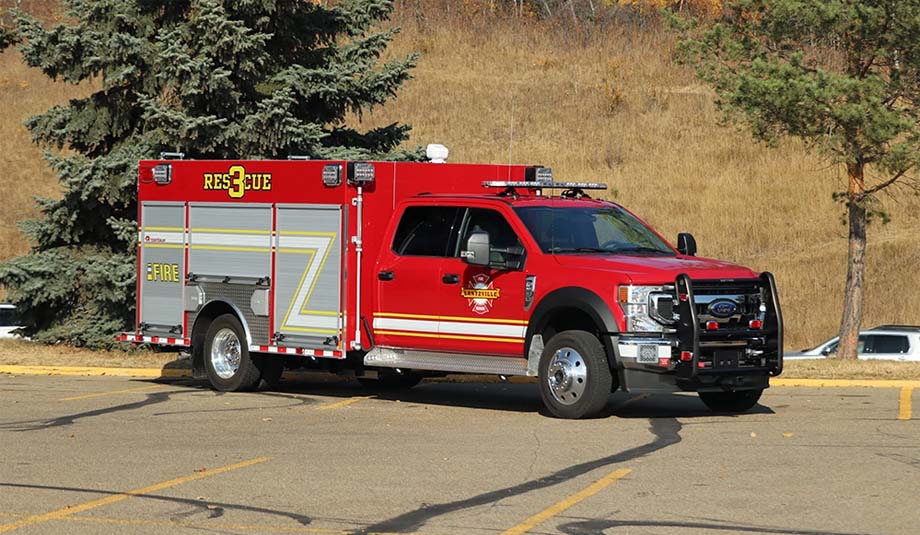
[385, 275]
[450, 279]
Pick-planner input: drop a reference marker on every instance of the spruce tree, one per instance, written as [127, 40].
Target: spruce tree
[209, 78]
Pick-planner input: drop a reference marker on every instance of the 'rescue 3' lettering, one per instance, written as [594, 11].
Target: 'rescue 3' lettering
[236, 181]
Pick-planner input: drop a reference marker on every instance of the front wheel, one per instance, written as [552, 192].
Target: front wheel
[732, 402]
[575, 378]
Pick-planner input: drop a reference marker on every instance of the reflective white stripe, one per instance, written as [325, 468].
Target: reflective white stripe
[296, 351]
[237, 240]
[492, 329]
[450, 327]
[161, 340]
[394, 324]
[312, 320]
[304, 242]
[163, 237]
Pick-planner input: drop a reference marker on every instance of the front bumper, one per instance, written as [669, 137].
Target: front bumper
[691, 358]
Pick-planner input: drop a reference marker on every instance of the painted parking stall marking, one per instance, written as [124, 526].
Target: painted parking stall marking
[115, 498]
[904, 408]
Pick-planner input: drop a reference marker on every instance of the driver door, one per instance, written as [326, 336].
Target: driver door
[482, 308]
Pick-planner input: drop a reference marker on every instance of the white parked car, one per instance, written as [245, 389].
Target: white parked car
[885, 342]
[8, 320]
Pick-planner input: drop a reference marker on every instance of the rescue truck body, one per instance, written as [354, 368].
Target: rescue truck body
[396, 271]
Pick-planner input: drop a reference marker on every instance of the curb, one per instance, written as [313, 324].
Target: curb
[178, 373]
[144, 373]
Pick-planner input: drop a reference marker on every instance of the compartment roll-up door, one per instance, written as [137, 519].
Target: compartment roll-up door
[308, 276]
[162, 268]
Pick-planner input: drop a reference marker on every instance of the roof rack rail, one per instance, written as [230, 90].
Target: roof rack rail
[897, 328]
[536, 184]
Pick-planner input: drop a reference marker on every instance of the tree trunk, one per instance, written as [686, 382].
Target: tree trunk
[856, 264]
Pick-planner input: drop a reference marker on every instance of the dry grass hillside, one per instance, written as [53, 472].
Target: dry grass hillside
[606, 104]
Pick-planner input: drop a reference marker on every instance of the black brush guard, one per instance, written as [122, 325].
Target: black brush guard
[768, 339]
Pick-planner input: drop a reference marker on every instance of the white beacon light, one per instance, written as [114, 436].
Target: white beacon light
[436, 153]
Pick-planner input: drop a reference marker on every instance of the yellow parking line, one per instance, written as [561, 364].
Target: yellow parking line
[343, 403]
[557, 508]
[904, 403]
[115, 498]
[113, 392]
[862, 383]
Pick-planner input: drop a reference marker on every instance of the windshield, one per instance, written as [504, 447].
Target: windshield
[603, 229]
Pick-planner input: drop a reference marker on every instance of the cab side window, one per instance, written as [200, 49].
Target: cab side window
[426, 231]
[501, 235]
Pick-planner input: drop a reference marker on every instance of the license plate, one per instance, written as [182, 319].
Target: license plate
[725, 359]
[648, 354]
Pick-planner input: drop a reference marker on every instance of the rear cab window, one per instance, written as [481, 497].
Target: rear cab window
[427, 231]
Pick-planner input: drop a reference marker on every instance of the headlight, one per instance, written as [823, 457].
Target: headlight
[635, 302]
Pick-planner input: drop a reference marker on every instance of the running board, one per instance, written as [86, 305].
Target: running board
[388, 357]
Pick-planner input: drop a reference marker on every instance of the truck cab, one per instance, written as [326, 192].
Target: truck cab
[394, 271]
[577, 291]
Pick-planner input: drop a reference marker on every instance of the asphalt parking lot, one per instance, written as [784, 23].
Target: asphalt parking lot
[116, 455]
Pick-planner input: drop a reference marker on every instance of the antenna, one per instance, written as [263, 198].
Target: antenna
[511, 134]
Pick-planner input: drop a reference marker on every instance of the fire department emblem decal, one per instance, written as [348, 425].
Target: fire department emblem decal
[480, 293]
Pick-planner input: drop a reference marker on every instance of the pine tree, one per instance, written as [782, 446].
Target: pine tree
[209, 78]
[841, 75]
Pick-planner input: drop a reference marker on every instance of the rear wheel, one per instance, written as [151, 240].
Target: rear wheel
[229, 366]
[740, 401]
[575, 380]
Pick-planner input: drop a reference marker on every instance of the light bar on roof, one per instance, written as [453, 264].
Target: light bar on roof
[542, 185]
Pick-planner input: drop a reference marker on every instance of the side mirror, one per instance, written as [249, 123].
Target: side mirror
[686, 244]
[478, 249]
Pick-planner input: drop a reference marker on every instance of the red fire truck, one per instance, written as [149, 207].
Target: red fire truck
[396, 271]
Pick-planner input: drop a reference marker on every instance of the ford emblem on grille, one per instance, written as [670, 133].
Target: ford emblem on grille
[723, 308]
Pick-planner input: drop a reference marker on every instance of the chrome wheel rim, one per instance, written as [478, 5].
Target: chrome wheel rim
[567, 376]
[226, 353]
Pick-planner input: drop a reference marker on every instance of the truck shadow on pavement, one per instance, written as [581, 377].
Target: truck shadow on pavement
[520, 398]
[150, 399]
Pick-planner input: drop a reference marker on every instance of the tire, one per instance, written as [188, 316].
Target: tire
[227, 361]
[575, 379]
[731, 402]
[392, 380]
